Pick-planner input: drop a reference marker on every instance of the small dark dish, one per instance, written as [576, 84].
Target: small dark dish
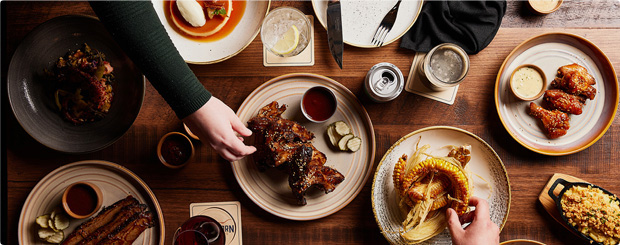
[175, 150]
[558, 202]
[33, 102]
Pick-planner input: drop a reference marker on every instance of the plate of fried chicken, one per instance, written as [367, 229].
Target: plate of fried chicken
[579, 104]
[296, 173]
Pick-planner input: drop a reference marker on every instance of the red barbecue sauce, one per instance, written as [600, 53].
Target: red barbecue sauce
[82, 199]
[176, 150]
[319, 103]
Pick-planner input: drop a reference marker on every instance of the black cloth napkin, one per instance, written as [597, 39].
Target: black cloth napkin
[469, 24]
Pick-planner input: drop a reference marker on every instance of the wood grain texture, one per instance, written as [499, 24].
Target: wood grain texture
[210, 179]
[548, 203]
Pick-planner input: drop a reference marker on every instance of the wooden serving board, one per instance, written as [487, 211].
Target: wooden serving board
[549, 204]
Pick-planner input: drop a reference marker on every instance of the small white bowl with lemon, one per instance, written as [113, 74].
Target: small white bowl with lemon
[285, 31]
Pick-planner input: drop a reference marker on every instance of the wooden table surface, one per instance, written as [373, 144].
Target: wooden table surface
[210, 178]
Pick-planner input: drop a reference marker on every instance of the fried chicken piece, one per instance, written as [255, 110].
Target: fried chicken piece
[556, 99]
[575, 79]
[287, 145]
[554, 122]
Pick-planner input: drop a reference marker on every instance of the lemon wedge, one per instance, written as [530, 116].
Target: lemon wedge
[288, 42]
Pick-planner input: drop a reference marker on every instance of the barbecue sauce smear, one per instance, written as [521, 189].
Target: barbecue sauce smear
[172, 11]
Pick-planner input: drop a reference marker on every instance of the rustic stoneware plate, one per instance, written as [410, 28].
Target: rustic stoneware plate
[360, 19]
[549, 52]
[115, 181]
[208, 52]
[488, 173]
[33, 102]
[270, 189]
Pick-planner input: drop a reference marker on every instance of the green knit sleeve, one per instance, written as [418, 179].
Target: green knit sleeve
[137, 29]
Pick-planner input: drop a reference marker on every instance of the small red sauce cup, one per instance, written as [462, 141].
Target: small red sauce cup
[81, 200]
[175, 150]
[318, 104]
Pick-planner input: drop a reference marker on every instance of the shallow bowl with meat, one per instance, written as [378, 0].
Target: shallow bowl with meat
[33, 102]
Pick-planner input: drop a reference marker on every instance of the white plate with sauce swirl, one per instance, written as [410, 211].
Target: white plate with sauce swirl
[237, 34]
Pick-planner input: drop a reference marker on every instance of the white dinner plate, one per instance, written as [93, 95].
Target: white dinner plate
[115, 181]
[201, 52]
[270, 189]
[484, 164]
[360, 19]
[549, 52]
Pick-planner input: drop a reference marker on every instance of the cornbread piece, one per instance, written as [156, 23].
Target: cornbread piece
[593, 213]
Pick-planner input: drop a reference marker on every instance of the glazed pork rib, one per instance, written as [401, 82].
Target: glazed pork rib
[104, 217]
[130, 230]
[119, 223]
[120, 219]
[287, 145]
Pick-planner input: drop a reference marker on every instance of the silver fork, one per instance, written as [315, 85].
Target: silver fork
[385, 26]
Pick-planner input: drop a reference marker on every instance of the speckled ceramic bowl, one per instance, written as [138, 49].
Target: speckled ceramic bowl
[33, 102]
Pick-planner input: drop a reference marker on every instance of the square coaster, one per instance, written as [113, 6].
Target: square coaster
[415, 85]
[228, 214]
[305, 58]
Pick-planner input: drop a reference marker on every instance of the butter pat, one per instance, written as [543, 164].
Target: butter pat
[192, 12]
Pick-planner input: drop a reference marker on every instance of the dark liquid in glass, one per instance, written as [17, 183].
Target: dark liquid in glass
[200, 230]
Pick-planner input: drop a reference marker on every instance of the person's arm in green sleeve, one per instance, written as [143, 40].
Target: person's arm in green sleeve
[137, 29]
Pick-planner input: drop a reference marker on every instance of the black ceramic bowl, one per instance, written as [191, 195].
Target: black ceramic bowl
[558, 202]
[33, 102]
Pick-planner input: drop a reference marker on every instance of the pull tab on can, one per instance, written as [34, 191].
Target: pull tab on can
[384, 82]
[387, 79]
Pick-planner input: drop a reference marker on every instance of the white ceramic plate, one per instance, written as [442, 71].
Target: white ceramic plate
[549, 52]
[199, 52]
[115, 181]
[360, 19]
[484, 162]
[270, 189]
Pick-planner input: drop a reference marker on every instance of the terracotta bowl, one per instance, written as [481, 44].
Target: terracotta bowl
[540, 8]
[163, 152]
[189, 132]
[97, 195]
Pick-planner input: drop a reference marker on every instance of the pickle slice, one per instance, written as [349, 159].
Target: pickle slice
[342, 144]
[56, 238]
[331, 134]
[61, 221]
[354, 144]
[42, 220]
[342, 128]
